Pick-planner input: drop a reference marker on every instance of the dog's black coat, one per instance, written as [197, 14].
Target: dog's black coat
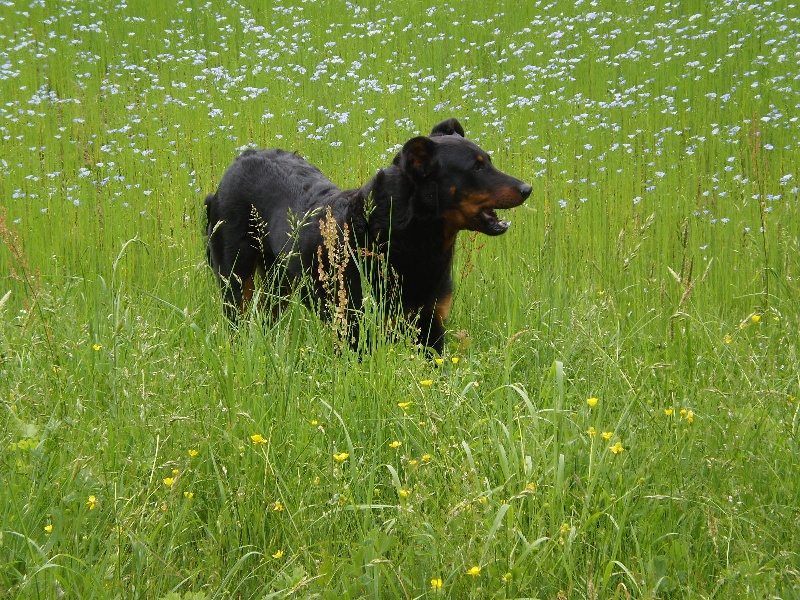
[269, 205]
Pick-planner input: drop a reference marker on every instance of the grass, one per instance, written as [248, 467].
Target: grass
[150, 452]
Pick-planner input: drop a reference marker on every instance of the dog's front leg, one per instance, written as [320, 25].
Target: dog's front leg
[431, 330]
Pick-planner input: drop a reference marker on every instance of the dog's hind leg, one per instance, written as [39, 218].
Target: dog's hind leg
[235, 263]
[212, 222]
[238, 281]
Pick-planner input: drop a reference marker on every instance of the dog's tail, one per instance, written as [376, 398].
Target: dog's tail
[212, 216]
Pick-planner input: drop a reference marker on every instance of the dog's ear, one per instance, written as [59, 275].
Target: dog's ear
[418, 157]
[449, 127]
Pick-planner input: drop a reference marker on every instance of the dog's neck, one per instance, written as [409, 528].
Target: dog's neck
[394, 206]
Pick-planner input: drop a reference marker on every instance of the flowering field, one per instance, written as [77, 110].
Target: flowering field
[616, 414]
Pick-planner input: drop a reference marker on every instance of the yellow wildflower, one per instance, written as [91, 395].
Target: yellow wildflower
[168, 481]
[591, 431]
[341, 456]
[755, 318]
[193, 452]
[437, 583]
[426, 382]
[607, 435]
[439, 361]
[426, 457]
[617, 448]
[592, 402]
[395, 444]
[404, 493]
[188, 495]
[48, 528]
[474, 571]
[728, 338]
[404, 405]
[92, 502]
[258, 439]
[278, 554]
[278, 507]
[96, 347]
[690, 417]
[454, 360]
[669, 411]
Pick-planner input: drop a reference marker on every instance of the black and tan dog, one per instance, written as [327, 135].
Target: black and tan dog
[273, 210]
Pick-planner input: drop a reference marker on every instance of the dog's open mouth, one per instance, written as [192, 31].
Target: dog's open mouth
[492, 224]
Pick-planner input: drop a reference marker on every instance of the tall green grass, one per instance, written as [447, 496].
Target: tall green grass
[148, 451]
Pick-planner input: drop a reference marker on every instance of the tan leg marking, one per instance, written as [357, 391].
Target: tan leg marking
[442, 308]
[248, 287]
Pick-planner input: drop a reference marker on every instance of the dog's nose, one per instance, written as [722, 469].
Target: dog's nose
[525, 190]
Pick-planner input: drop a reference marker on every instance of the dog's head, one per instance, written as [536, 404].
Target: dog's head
[457, 180]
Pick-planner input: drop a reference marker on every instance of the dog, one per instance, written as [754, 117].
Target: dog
[277, 215]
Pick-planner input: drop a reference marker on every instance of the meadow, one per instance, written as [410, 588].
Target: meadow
[616, 414]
